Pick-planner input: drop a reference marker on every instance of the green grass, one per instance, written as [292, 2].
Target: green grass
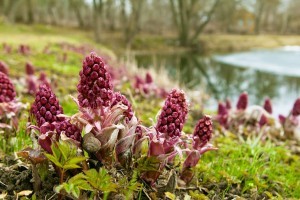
[252, 167]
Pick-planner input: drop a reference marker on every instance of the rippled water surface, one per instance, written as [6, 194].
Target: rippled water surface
[273, 73]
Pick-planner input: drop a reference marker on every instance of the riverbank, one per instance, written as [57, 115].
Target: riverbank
[112, 42]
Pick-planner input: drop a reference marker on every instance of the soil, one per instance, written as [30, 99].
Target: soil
[15, 177]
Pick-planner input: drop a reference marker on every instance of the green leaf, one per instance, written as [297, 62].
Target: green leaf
[76, 192]
[56, 152]
[54, 160]
[76, 160]
[57, 189]
[64, 149]
[70, 166]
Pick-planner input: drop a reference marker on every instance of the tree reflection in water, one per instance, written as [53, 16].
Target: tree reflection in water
[223, 81]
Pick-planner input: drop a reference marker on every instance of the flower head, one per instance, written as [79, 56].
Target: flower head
[263, 120]
[3, 68]
[203, 131]
[173, 114]
[29, 69]
[7, 89]
[296, 108]
[70, 130]
[149, 78]
[119, 98]
[95, 88]
[222, 110]
[46, 106]
[268, 105]
[228, 104]
[242, 102]
[282, 119]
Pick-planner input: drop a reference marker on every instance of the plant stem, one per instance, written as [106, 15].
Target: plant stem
[37, 180]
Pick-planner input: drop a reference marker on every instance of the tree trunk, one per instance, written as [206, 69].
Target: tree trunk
[75, 6]
[30, 17]
[97, 10]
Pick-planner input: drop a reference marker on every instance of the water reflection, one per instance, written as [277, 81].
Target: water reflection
[225, 81]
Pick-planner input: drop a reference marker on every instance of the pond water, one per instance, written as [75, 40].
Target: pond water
[262, 73]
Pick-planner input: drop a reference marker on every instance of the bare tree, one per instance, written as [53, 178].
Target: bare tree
[75, 6]
[97, 5]
[131, 19]
[187, 17]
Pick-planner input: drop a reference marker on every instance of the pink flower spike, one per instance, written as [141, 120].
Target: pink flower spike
[29, 69]
[296, 108]
[149, 78]
[242, 102]
[173, 114]
[263, 120]
[203, 132]
[7, 89]
[282, 119]
[46, 106]
[228, 104]
[222, 110]
[268, 105]
[95, 87]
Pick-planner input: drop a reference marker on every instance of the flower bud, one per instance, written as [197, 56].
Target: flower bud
[203, 130]
[95, 88]
[242, 102]
[296, 108]
[268, 105]
[7, 89]
[46, 106]
[173, 114]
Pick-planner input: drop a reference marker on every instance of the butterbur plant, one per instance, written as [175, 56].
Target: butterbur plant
[10, 107]
[200, 144]
[167, 139]
[50, 122]
[105, 116]
[245, 120]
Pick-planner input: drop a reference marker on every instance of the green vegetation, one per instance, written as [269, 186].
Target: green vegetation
[250, 169]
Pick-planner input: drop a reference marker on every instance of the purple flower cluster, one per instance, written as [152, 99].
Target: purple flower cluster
[296, 108]
[95, 88]
[24, 49]
[70, 130]
[173, 114]
[46, 106]
[242, 102]
[7, 89]
[203, 130]
[29, 69]
[268, 105]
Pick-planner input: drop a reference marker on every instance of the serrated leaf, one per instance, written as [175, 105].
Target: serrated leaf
[70, 166]
[56, 152]
[57, 189]
[64, 149]
[75, 192]
[76, 160]
[54, 160]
